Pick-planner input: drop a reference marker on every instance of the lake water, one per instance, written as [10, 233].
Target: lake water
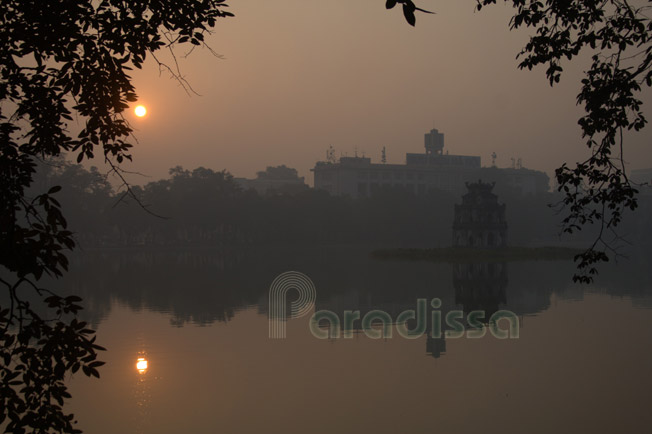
[582, 361]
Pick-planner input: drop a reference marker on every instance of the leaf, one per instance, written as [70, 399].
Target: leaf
[390, 4]
[408, 12]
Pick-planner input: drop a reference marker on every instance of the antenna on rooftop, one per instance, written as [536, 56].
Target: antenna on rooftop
[493, 159]
[383, 156]
[330, 154]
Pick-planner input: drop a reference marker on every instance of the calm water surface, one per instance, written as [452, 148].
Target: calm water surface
[582, 362]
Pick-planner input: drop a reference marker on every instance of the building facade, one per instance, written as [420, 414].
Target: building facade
[642, 178]
[432, 170]
[279, 179]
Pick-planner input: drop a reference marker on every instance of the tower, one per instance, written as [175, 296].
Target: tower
[479, 220]
[434, 142]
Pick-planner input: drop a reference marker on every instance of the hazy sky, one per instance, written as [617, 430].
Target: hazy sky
[298, 75]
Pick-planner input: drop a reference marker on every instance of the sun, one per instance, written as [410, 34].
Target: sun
[140, 111]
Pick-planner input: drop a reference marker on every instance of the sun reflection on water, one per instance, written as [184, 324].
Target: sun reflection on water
[142, 394]
[141, 365]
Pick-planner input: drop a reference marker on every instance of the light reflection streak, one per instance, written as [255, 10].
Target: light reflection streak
[142, 393]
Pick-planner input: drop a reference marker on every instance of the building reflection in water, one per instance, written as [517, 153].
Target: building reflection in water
[478, 286]
[475, 287]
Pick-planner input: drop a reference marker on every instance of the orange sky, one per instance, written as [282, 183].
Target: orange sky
[297, 76]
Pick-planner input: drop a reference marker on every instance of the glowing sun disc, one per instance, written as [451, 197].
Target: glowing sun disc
[140, 111]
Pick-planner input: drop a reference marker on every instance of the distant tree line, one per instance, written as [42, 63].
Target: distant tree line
[206, 207]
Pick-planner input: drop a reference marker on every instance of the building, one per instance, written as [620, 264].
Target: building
[277, 179]
[642, 179]
[524, 181]
[480, 220]
[641, 176]
[432, 170]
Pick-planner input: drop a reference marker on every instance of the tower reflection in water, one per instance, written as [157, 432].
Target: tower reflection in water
[478, 286]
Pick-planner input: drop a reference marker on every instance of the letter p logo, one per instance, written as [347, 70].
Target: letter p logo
[278, 300]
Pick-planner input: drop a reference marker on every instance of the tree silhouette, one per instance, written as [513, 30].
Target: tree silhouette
[59, 60]
[618, 34]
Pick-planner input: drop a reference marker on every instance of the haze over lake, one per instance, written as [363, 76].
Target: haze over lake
[200, 319]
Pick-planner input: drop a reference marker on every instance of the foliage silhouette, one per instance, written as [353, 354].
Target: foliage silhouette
[60, 61]
[71, 59]
[206, 207]
[618, 34]
[597, 191]
[409, 8]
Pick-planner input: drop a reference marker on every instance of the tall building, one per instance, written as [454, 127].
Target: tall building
[432, 170]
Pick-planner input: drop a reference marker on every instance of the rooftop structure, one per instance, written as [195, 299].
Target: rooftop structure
[432, 170]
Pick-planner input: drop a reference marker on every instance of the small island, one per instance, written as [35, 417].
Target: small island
[475, 254]
[480, 235]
